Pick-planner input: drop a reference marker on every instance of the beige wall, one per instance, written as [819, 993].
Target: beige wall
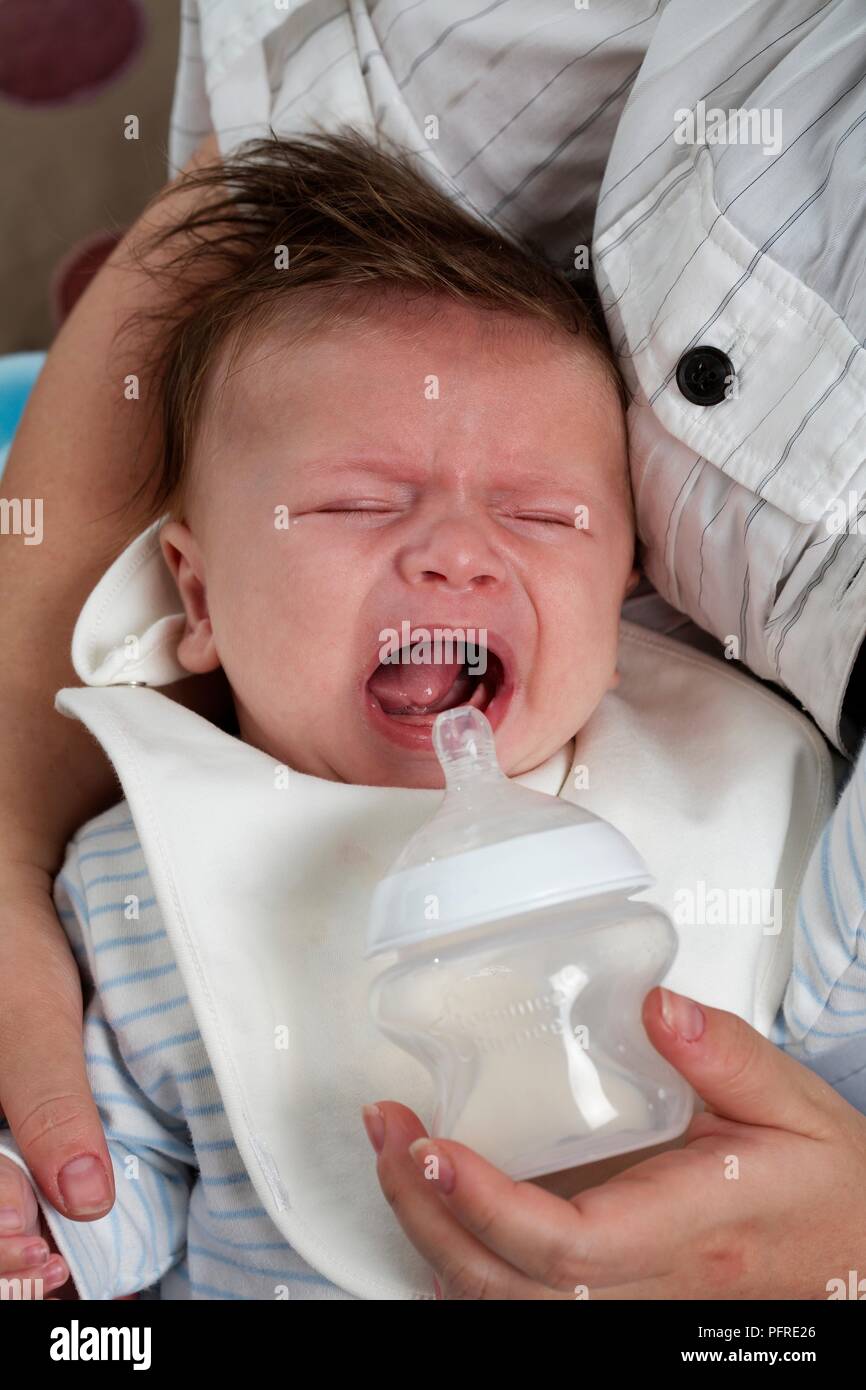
[68, 172]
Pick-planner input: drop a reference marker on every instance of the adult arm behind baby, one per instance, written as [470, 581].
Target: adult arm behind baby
[84, 450]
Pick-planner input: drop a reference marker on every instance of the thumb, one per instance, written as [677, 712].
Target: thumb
[44, 1092]
[737, 1072]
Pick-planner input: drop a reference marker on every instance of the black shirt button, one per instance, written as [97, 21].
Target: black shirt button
[704, 374]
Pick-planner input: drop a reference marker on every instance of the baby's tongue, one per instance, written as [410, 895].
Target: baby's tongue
[405, 689]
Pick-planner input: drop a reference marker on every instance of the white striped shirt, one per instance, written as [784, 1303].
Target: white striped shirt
[560, 122]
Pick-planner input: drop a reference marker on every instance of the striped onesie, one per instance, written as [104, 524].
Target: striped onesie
[187, 1222]
[187, 1218]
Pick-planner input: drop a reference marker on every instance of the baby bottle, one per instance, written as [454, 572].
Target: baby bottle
[521, 968]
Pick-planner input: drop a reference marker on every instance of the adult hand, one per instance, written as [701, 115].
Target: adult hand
[766, 1198]
[44, 1091]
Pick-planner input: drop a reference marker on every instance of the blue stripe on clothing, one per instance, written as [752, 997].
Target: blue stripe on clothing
[165, 1122]
[828, 978]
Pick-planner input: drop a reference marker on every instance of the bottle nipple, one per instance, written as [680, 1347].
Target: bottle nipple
[465, 747]
[493, 848]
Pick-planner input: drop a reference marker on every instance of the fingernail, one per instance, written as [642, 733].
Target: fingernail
[85, 1186]
[10, 1220]
[35, 1254]
[55, 1273]
[434, 1164]
[374, 1123]
[682, 1015]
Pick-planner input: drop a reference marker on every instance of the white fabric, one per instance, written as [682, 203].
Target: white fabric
[716, 782]
[558, 122]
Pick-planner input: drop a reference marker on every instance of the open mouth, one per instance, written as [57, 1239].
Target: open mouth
[403, 699]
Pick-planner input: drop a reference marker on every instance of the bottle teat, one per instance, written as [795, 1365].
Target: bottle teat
[493, 848]
[465, 747]
[481, 806]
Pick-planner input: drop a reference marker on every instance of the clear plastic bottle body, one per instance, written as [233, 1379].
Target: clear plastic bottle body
[531, 1029]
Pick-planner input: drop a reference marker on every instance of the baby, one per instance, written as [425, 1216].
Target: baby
[379, 416]
[443, 424]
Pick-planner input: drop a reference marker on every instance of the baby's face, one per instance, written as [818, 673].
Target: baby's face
[462, 473]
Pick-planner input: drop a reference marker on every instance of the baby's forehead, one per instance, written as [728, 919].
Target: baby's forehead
[323, 344]
[311, 397]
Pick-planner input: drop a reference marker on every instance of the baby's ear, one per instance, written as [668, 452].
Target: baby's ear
[196, 650]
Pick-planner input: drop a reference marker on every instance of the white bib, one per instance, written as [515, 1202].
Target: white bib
[264, 890]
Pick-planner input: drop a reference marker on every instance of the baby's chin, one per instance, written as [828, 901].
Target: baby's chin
[423, 771]
[351, 766]
[418, 771]
[366, 759]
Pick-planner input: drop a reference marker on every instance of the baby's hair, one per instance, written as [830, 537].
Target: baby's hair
[334, 223]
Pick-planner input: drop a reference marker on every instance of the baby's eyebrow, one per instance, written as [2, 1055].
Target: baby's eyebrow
[380, 466]
[546, 483]
[399, 469]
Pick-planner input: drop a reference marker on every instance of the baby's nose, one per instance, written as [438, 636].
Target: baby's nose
[454, 554]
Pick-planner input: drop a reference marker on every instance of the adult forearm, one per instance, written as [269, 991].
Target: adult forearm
[81, 458]
[85, 446]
